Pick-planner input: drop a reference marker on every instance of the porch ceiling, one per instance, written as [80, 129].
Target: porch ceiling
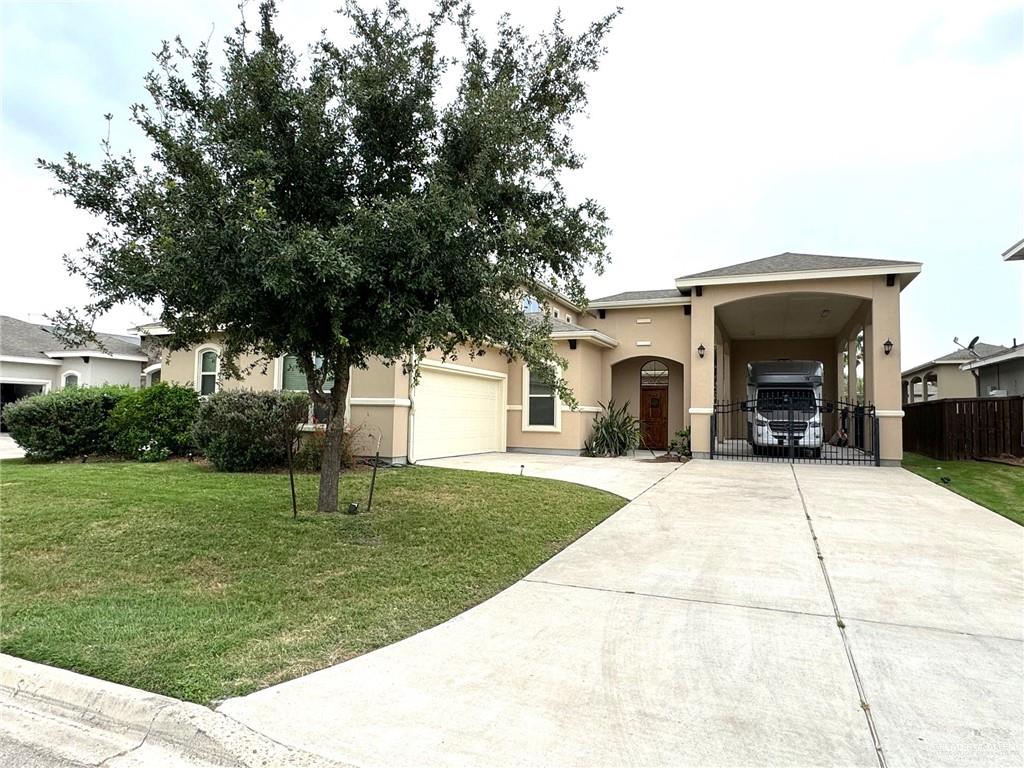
[787, 316]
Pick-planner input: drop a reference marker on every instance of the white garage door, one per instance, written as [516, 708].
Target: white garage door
[458, 413]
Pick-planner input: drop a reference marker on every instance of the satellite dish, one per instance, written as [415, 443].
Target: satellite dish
[973, 342]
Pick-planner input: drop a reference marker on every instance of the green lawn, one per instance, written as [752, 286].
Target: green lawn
[199, 585]
[999, 487]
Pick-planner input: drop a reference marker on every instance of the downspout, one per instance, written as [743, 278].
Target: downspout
[410, 431]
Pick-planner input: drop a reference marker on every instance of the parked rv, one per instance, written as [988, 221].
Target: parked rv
[783, 405]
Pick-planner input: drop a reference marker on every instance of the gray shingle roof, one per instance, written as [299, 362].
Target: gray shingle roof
[796, 262]
[21, 339]
[962, 355]
[663, 293]
[557, 326]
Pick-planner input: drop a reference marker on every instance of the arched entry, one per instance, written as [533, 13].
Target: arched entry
[654, 382]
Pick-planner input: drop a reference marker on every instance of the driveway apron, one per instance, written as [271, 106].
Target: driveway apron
[731, 614]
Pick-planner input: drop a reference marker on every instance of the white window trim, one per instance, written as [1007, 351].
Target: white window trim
[64, 379]
[568, 318]
[198, 382]
[527, 426]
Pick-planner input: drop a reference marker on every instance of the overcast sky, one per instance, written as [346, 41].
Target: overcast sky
[718, 133]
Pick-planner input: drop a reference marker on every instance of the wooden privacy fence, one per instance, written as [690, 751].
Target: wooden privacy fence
[965, 428]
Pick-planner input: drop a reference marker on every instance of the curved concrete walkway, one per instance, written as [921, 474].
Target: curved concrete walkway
[732, 614]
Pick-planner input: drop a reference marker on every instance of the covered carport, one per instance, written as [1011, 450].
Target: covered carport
[800, 307]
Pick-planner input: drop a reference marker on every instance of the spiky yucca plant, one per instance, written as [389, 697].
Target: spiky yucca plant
[616, 431]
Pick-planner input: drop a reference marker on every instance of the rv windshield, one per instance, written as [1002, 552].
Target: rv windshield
[776, 400]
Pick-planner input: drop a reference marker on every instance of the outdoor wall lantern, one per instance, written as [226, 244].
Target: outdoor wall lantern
[701, 351]
[887, 346]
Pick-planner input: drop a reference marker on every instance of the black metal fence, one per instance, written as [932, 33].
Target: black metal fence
[793, 426]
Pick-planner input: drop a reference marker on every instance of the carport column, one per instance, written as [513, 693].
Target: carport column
[840, 359]
[702, 372]
[851, 370]
[885, 370]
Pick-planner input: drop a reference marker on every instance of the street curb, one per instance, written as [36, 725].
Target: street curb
[191, 730]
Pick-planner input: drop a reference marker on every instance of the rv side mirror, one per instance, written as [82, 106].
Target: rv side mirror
[830, 407]
[745, 407]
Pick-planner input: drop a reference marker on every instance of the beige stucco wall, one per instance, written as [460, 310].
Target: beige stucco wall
[180, 367]
[667, 335]
[626, 387]
[951, 382]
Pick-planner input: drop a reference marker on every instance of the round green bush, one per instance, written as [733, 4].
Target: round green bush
[241, 430]
[70, 422]
[155, 423]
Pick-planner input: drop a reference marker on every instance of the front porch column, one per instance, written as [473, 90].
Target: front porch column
[702, 374]
[886, 387]
[851, 369]
[840, 381]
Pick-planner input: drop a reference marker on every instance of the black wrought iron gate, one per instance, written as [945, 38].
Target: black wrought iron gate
[793, 427]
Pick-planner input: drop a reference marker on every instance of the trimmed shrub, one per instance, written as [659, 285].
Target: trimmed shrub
[154, 423]
[241, 430]
[70, 422]
[310, 454]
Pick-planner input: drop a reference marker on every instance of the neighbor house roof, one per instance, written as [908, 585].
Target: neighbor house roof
[959, 356]
[36, 342]
[994, 358]
[794, 266]
[1015, 252]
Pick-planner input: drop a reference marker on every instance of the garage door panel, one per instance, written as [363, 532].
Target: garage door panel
[457, 414]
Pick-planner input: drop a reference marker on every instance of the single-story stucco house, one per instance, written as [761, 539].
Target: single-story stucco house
[999, 373]
[675, 354]
[33, 361]
[944, 377]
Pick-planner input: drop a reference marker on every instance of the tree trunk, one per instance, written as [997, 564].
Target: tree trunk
[330, 460]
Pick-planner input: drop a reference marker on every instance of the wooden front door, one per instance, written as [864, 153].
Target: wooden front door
[654, 417]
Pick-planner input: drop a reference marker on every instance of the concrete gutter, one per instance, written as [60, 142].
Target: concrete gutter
[55, 714]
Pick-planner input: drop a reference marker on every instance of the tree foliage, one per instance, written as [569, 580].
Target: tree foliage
[335, 207]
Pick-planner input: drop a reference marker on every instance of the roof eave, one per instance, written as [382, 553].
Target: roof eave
[673, 301]
[97, 353]
[1000, 357]
[907, 272]
[28, 360]
[1015, 252]
[594, 337]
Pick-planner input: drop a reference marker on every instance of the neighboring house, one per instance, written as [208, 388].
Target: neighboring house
[1015, 252]
[999, 373]
[33, 361]
[671, 353]
[943, 377]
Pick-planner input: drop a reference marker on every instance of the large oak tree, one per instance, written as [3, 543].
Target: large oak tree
[334, 206]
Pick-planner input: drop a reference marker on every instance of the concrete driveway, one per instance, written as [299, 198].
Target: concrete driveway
[731, 614]
[8, 448]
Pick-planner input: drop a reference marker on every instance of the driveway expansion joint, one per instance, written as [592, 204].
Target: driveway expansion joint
[679, 598]
[847, 647]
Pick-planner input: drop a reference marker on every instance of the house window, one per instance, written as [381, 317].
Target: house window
[293, 378]
[542, 403]
[208, 363]
[654, 374]
[530, 305]
[70, 380]
[556, 314]
[568, 319]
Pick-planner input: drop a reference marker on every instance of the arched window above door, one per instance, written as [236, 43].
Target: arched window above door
[654, 374]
